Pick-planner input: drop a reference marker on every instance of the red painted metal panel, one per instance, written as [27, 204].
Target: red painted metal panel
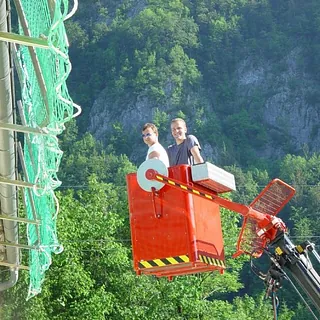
[208, 233]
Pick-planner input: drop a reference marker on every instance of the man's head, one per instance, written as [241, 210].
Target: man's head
[178, 130]
[150, 134]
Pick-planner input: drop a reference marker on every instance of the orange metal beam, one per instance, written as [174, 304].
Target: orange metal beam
[197, 190]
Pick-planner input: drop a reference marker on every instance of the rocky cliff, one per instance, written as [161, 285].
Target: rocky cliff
[289, 112]
[291, 103]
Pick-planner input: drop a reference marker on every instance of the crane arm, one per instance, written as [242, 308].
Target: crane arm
[262, 232]
[296, 259]
[262, 226]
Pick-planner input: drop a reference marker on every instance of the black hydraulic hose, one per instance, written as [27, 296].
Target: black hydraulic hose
[275, 305]
[302, 298]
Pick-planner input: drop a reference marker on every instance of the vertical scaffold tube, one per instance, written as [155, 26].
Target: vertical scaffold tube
[8, 193]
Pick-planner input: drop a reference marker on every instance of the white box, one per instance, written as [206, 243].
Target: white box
[213, 177]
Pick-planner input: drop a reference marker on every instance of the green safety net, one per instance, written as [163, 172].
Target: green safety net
[46, 106]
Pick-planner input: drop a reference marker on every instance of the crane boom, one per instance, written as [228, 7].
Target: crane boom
[269, 230]
[284, 255]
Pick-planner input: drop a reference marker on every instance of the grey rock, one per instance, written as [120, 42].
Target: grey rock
[290, 110]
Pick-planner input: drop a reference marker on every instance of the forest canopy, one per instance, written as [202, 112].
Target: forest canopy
[166, 49]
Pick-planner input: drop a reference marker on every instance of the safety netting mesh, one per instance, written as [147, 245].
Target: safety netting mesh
[46, 106]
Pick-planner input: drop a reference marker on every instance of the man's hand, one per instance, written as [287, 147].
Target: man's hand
[196, 155]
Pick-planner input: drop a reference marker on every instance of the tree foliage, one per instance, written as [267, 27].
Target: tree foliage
[93, 277]
[163, 49]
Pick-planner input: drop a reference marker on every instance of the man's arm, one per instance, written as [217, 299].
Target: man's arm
[154, 155]
[195, 151]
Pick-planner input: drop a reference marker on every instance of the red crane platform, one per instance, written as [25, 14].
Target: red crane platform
[174, 232]
[175, 218]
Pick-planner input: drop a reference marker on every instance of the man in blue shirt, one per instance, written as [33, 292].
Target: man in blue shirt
[186, 150]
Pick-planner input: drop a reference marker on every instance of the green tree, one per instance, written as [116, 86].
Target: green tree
[86, 156]
[303, 174]
[93, 277]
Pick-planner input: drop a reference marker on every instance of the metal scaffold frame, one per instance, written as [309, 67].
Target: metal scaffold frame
[10, 149]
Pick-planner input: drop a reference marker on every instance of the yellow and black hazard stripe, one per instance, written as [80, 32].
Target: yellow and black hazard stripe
[143, 264]
[184, 187]
[212, 261]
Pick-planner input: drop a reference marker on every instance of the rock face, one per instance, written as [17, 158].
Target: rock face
[105, 113]
[131, 114]
[290, 111]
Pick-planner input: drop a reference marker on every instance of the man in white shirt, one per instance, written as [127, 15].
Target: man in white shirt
[150, 137]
